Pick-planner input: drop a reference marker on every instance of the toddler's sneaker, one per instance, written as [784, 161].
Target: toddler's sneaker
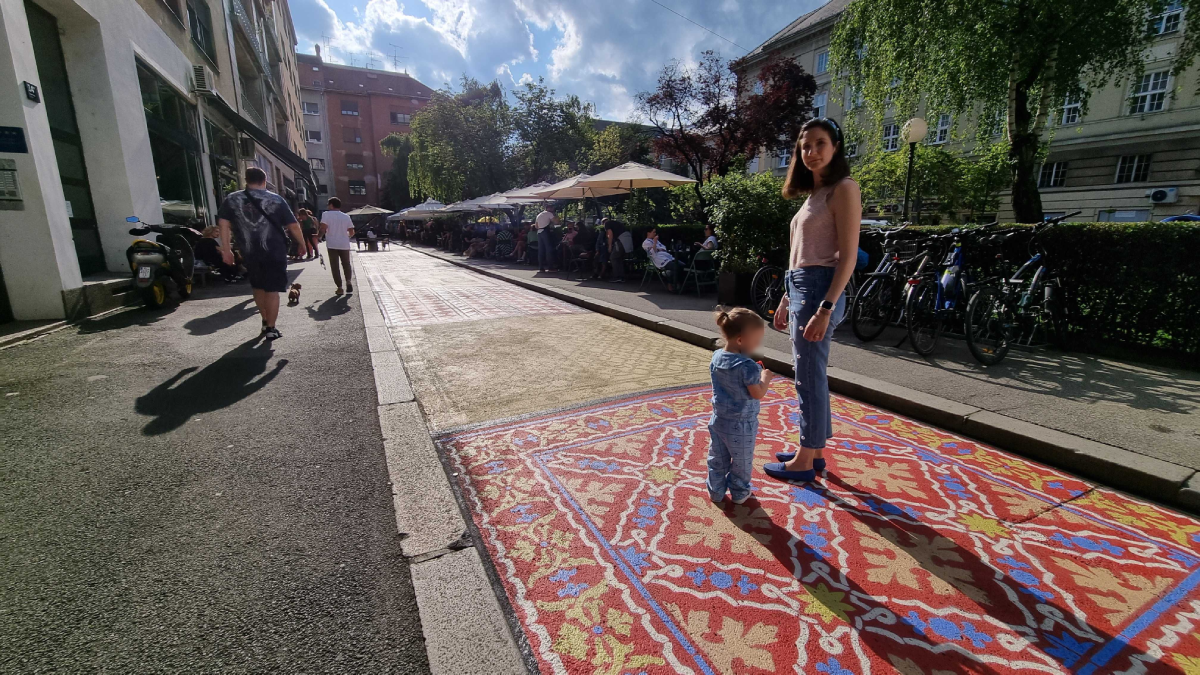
[743, 500]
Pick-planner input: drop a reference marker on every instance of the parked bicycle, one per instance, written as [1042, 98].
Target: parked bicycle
[1016, 310]
[880, 302]
[938, 298]
[767, 287]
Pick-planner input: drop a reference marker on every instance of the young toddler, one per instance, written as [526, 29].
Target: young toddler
[738, 382]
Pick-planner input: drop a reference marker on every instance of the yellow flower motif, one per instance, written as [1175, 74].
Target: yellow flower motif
[980, 523]
[661, 474]
[826, 603]
[1190, 664]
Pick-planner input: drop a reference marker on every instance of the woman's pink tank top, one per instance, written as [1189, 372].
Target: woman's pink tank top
[814, 233]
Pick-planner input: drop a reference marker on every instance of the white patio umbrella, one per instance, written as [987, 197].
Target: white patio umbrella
[634, 175]
[420, 211]
[524, 195]
[368, 211]
[575, 188]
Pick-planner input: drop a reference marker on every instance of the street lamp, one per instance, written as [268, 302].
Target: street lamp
[913, 132]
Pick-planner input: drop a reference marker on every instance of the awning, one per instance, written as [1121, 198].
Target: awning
[281, 151]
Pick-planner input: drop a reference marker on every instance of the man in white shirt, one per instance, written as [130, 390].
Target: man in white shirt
[662, 259]
[544, 220]
[337, 229]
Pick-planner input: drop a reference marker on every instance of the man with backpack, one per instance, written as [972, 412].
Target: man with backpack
[263, 221]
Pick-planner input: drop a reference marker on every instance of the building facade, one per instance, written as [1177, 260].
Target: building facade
[348, 111]
[1133, 156]
[118, 108]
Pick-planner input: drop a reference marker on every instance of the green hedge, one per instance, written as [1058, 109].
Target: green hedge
[1129, 284]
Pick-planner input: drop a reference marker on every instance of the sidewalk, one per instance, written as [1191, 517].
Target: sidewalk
[1149, 410]
[179, 496]
[577, 443]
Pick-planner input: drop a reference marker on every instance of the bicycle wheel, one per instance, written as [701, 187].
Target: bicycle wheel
[990, 326]
[766, 291]
[873, 308]
[923, 321]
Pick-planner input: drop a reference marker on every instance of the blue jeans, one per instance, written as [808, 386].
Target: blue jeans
[730, 456]
[807, 287]
[545, 250]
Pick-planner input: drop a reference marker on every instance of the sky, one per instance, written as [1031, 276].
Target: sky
[605, 51]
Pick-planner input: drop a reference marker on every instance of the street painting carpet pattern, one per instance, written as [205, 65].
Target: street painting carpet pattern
[416, 290]
[918, 552]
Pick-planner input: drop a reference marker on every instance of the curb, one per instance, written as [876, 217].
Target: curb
[37, 332]
[1153, 479]
[450, 579]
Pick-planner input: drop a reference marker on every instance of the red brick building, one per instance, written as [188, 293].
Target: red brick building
[348, 112]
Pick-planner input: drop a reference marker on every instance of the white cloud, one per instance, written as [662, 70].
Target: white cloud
[605, 51]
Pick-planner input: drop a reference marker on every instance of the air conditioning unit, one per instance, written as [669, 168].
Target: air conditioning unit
[202, 80]
[1163, 195]
[246, 147]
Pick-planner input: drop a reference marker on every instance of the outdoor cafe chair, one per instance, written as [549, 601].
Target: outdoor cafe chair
[702, 272]
[651, 272]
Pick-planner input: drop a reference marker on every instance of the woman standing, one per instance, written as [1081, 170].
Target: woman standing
[308, 227]
[823, 254]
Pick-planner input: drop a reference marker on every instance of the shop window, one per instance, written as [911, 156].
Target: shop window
[175, 149]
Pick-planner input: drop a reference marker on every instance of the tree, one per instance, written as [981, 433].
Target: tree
[936, 172]
[984, 175]
[751, 218]
[709, 119]
[397, 193]
[554, 135]
[461, 143]
[617, 144]
[1019, 58]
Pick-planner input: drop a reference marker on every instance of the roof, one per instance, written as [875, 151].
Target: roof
[799, 27]
[348, 78]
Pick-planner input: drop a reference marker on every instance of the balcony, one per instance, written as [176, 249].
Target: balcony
[245, 22]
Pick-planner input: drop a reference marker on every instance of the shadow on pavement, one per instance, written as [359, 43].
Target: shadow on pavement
[218, 385]
[335, 306]
[136, 316]
[207, 325]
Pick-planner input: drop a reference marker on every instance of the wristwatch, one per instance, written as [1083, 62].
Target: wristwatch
[826, 305]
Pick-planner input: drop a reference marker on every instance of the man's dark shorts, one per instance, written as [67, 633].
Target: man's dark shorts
[267, 272]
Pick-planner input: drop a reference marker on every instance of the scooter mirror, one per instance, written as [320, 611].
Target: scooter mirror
[132, 219]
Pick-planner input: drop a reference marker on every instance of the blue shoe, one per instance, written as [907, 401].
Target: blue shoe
[785, 457]
[777, 472]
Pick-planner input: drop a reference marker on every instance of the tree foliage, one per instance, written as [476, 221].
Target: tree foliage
[397, 193]
[617, 144]
[751, 218]
[708, 119]
[553, 136]
[462, 143]
[1016, 59]
[944, 182]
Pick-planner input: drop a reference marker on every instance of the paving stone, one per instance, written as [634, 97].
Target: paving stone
[391, 384]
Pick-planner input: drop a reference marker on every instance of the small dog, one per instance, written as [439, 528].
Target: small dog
[294, 295]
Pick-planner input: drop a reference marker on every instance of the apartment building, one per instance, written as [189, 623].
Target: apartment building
[347, 112]
[118, 108]
[1134, 155]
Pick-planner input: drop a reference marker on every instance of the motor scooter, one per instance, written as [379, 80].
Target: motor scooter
[169, 258]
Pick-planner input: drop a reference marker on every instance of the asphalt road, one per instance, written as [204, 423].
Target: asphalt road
[1151, 410]
[177, 496]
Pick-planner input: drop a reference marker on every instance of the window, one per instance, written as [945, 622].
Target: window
[1168, 21]
[401, 118]
[358, 187]
[313, 136]
[852, 149]
[317, 163]
[354, 161]
[1054, 174]
[822, 62]
[1133, 169]
[819, 102]
[173, 5]
[853, 99]
[350, 108]
[322, 188]
[785, 158]
[1130, 216]
[200, 23]
[351, 135]
[1149, 94]
[1072, 109]
[316, 83]
[941, 134]
[891, 137]
[752, 165]
[311, 108]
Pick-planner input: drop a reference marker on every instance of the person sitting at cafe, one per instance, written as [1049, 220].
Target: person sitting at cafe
[710, 239]
[661, 258]
[208, 251]
[620, 242]
[504, 244]
[521, 241]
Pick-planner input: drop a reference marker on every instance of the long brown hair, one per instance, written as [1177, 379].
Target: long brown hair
[800, 179]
